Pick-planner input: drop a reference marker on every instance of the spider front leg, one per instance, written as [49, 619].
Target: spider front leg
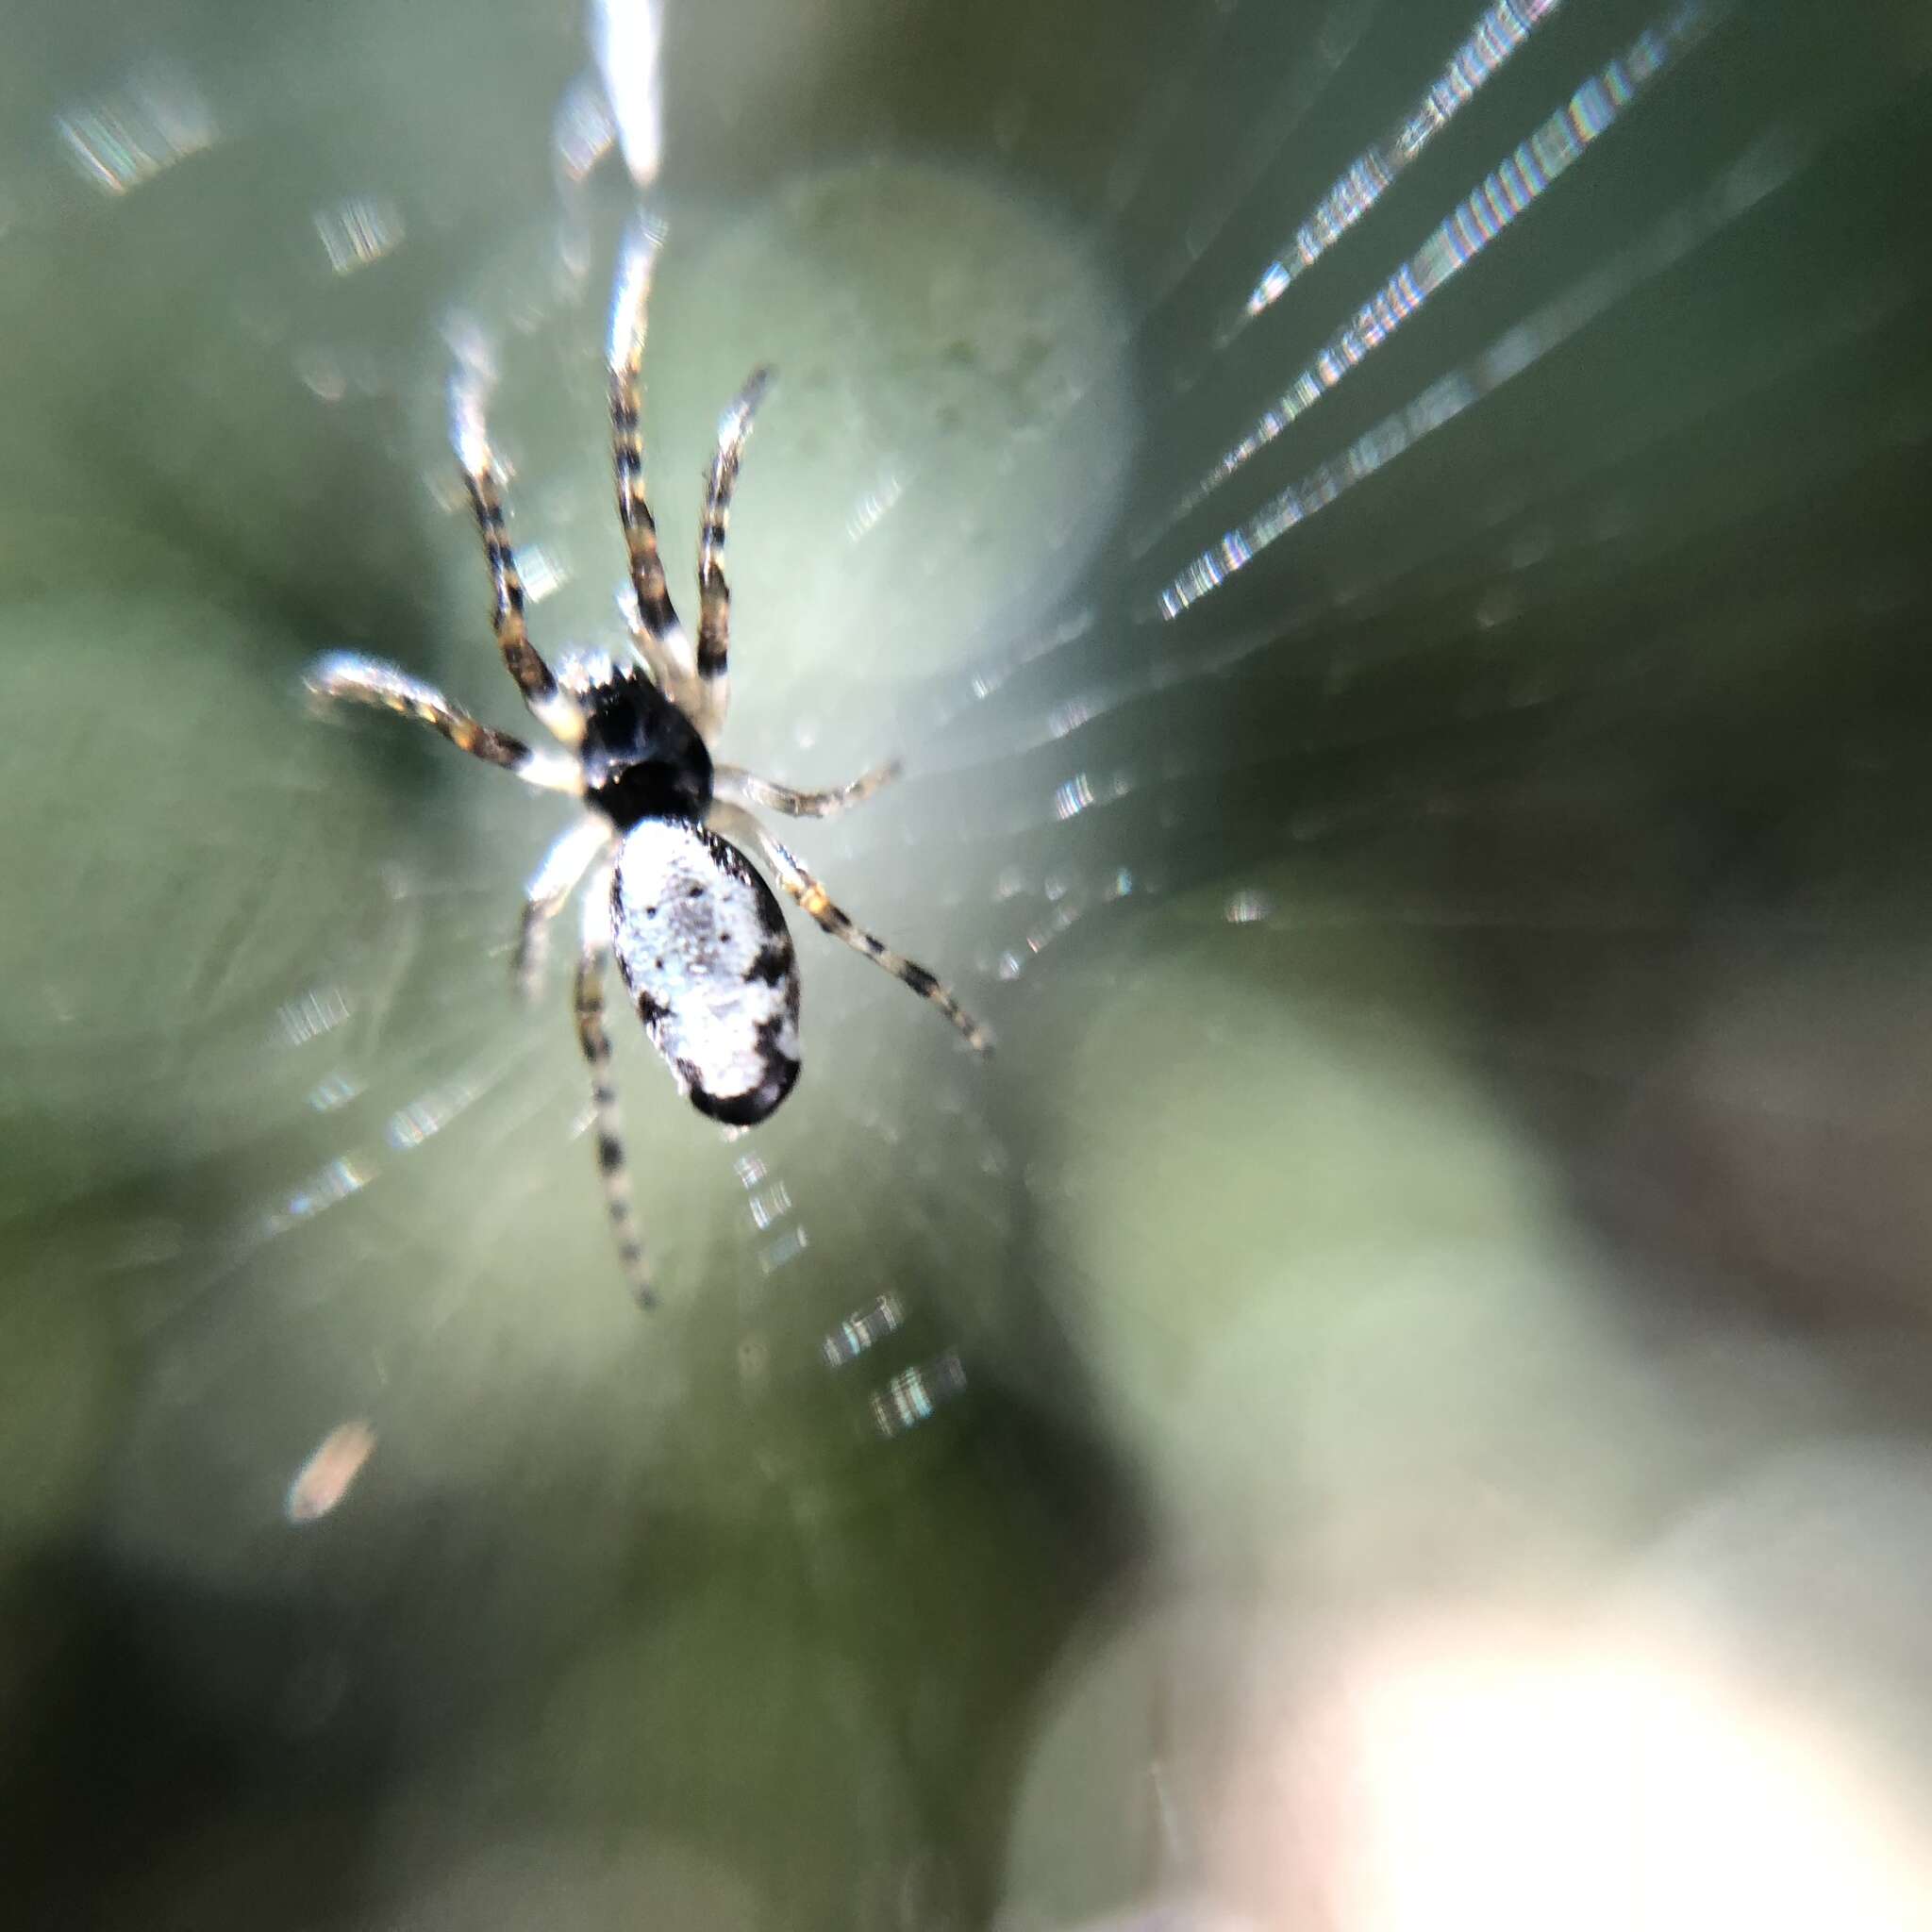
[550, 886]
[737, 786]
[607, 1125]
[548, 703]
[713, 697]
[656, 631]
[342, 677]
[733, 822]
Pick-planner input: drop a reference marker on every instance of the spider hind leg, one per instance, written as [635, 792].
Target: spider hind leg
[607, 1124]
[544, 897]
[737, 786]
[732, 822]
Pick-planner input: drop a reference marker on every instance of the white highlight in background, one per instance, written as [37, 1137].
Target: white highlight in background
[627, 39]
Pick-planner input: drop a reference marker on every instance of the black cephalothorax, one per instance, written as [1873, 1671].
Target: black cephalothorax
[642, 757]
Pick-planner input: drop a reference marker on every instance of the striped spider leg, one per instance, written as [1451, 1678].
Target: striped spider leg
[733, 822]
[593, 961]
[564, 865]
[696, 679]
[346, 676]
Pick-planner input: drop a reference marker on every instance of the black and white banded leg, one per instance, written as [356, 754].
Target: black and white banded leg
[552, 707]
[733, 822]
[549, 888]
[714, 593]
[737, 786]
[346, 677]
[661, 638]
[607, 1124]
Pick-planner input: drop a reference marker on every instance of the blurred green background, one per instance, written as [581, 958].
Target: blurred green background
[1391, 537]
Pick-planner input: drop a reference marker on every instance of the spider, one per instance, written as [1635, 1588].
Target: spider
[699, 936]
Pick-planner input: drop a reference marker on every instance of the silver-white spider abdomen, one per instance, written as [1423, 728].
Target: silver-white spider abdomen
[701, 945]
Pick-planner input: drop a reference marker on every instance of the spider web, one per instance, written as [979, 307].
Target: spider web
[1423, 491]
